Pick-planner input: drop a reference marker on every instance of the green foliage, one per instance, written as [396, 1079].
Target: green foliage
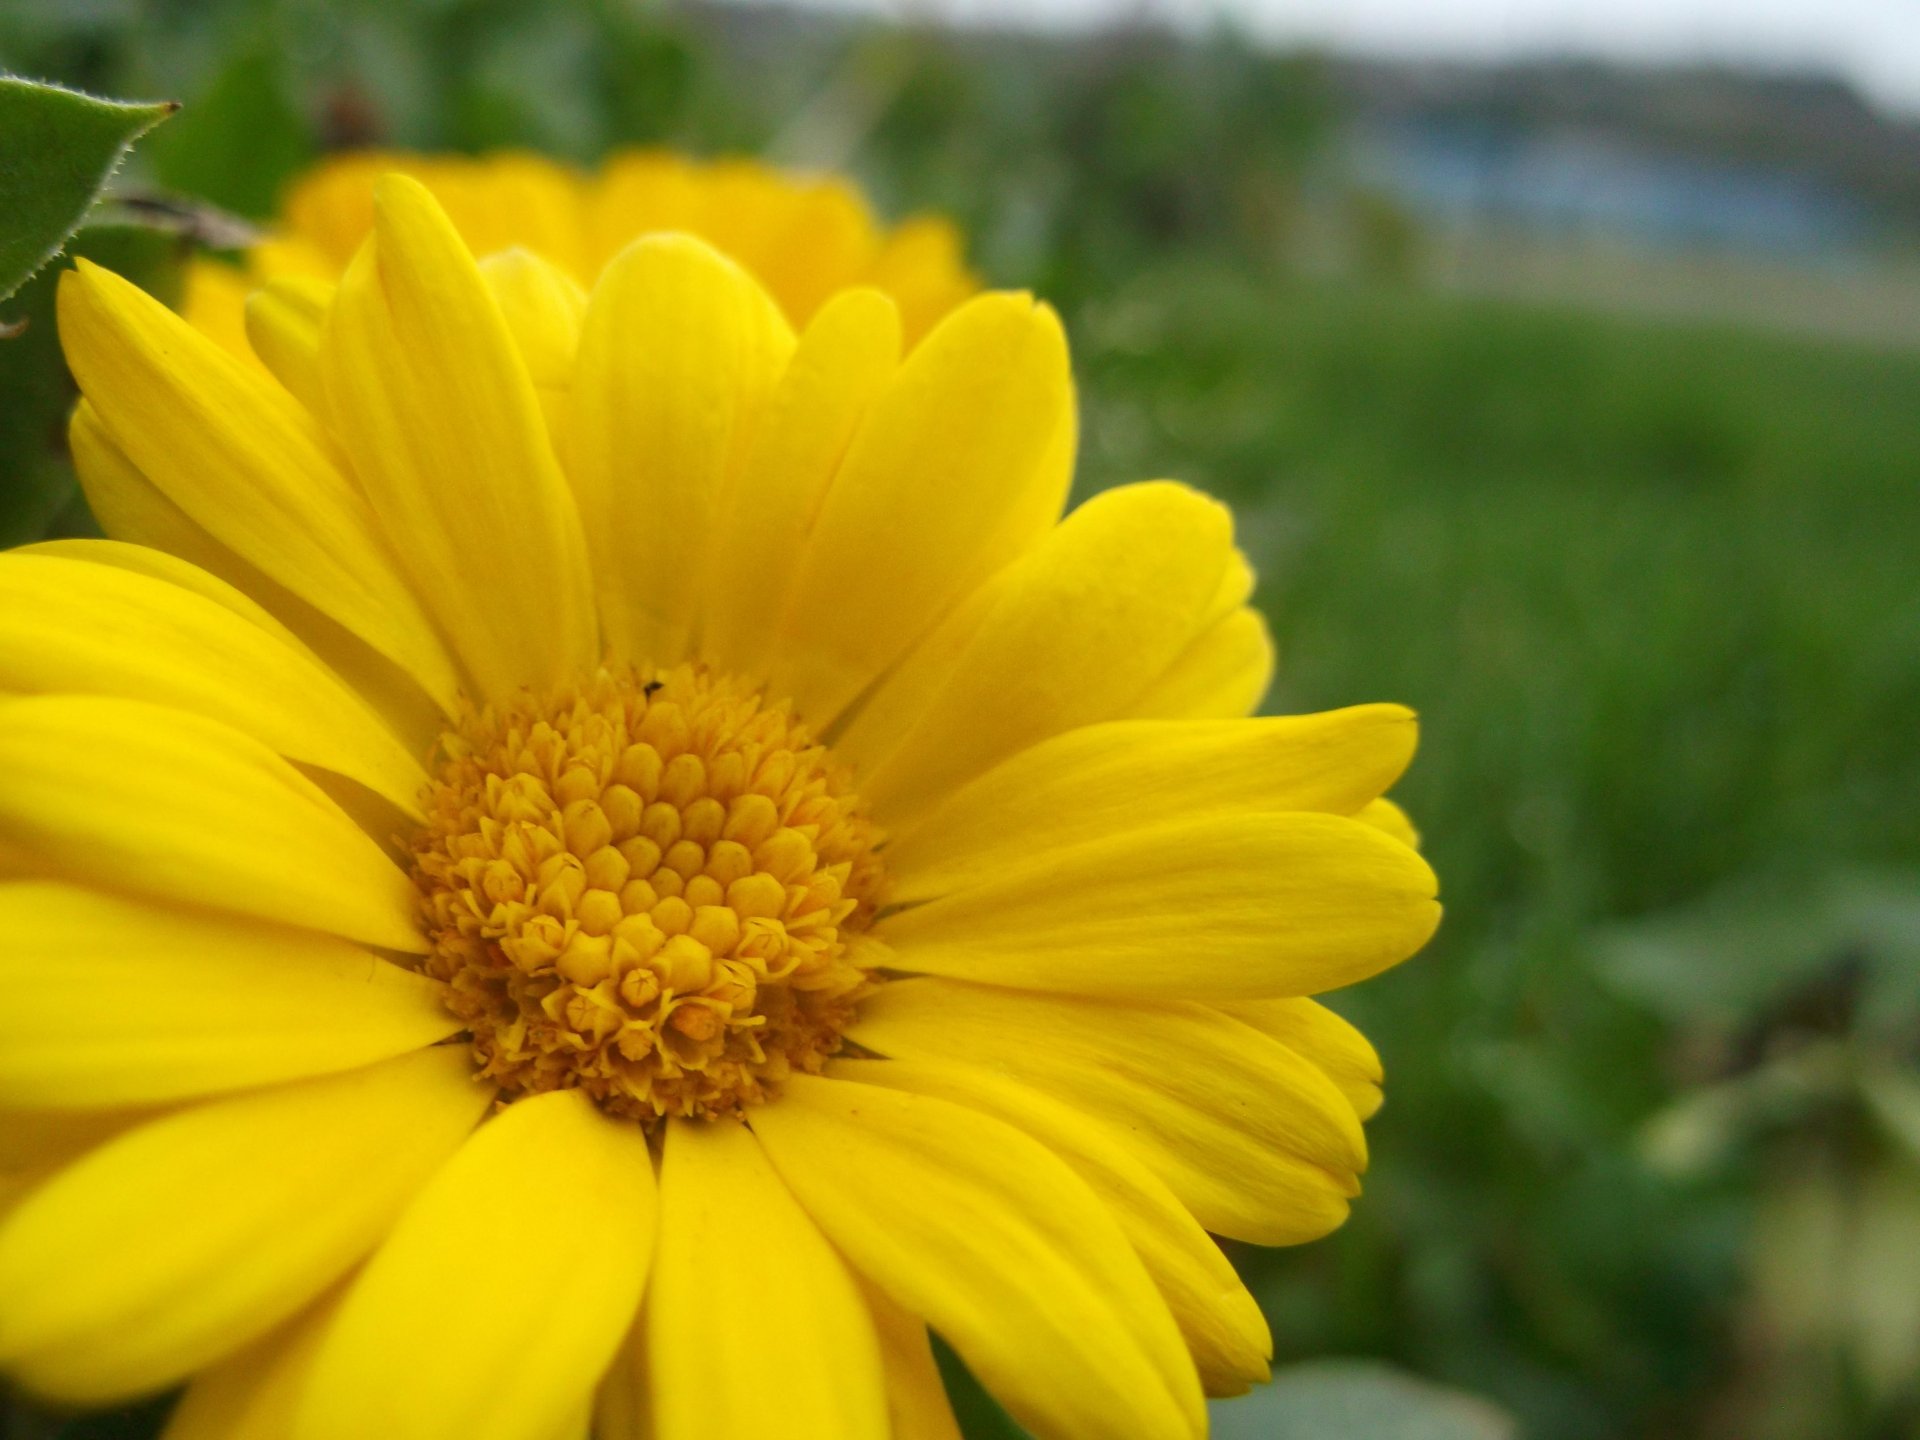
[242, 138]
[1357, 1398]
[1652, 596]
[1318, 1401]
[1768, 943]
[57, 149]
[1097, 152]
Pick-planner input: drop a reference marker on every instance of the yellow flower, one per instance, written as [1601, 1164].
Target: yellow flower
[803, 237]
[829, 894]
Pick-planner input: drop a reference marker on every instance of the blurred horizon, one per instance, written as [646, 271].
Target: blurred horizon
[1871, 45]
[1777, 198]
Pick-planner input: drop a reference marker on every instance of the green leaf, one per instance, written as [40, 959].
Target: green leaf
[1338, 1398]
[1894, 1099]
[1710, 1126]
[1883, 1286]
[1722, 959]
[57, 148]
[241, 138]
[1725, 959]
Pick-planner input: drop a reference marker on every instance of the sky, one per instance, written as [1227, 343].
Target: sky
[1874, 43]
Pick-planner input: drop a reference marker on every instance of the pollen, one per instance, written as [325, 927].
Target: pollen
[644, 887]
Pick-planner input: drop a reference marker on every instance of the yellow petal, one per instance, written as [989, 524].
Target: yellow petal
[252, 1393]
[187, 1237]
[964, 1220]
[635, 193]
[1221, 1322]
[1254, 1139]
[36, 1143]
[623, 1403]
[1073, 633]
[159, 565]
[494, 1306]
[1389, 819]
[157, 802]
[842, 362]
[284, 318]
[35, 1139]
[917, 1402]
[214, 303]
[15, 1184]
[542, 306]
[143, 521]
[1325, 1038]
[511, 198]
[923, 266]
[679, 353]
[738, 1254]
[330, 206]
[1103, 778]
[239, 457]
[1214, 907]
[285, 253]
[154, 536]
[804, 237]
[66, 625]
[435, 408]
[1224, 673]
[130, 507]
[1236, 587]
[962, 463]
[106, 1001]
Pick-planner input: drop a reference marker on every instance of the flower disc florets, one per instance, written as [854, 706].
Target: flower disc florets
[645, 887]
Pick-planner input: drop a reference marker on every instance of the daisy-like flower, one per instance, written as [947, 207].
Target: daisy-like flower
[585, 864]
[804, 237]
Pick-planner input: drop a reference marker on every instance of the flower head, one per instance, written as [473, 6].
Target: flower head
[804, 237]
[594, 855]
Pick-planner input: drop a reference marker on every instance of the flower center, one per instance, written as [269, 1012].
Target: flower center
[644, 886]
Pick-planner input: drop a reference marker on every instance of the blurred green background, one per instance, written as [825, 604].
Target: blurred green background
[1645, 562]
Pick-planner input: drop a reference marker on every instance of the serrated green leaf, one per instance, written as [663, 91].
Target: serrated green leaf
[1337, 1398]
[57, 148]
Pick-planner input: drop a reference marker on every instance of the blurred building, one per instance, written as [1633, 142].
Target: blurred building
[1769, 165]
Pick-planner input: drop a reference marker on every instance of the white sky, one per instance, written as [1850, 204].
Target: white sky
[1875, 43]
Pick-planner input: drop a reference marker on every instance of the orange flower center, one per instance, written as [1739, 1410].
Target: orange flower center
[645, 887]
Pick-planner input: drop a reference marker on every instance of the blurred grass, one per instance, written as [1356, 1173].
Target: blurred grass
[1651, 586]
[1652, 590]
